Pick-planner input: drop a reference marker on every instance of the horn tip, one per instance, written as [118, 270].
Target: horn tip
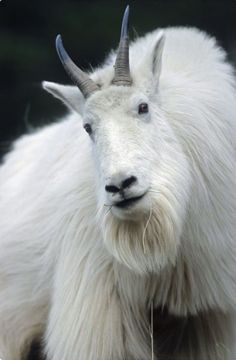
[58, 41]
[125, 23]
[60, 49]
[127, 9]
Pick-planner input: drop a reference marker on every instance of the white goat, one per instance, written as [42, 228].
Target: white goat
[96, 228]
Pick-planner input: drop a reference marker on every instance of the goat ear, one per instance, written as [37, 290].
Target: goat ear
[69, 95]
[157, 56]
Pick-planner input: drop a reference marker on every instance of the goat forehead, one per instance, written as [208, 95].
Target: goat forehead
[109, 99]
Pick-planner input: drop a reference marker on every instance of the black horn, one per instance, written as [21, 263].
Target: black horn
[79, 77]
[122, 71]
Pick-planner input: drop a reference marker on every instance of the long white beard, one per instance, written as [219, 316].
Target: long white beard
[146, 245]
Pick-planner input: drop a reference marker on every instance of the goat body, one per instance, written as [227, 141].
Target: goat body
[82, 275]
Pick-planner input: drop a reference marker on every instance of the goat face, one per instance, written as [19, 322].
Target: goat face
[119, 124]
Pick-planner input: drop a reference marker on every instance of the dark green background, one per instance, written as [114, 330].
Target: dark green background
[90, 29]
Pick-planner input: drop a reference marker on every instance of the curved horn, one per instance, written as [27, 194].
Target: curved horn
[80, 78]
[122, 72]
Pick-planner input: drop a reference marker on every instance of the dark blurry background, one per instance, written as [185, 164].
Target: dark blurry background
[90, 29]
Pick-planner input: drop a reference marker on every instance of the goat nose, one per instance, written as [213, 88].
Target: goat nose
[123, 185]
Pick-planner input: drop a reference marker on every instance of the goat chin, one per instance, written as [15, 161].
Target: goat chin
[147, 244]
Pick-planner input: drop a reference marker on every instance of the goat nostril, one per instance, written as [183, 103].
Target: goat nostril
[112, 188]
[125, 183]
[128, 182]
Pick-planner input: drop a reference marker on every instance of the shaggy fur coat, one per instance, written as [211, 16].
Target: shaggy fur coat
[82, 279]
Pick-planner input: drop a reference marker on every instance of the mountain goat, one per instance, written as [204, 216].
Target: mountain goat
[98, 228]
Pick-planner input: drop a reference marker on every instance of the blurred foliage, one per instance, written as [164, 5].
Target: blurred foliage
[90, 29]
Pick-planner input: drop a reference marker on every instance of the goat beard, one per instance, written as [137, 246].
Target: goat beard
[147, 245]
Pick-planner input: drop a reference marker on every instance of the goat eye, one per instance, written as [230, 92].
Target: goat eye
[143, 108]
[88, 129]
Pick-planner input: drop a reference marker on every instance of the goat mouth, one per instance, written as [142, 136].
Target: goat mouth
[128, 202]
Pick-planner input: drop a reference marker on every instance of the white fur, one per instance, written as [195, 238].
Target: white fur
[83, 275]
